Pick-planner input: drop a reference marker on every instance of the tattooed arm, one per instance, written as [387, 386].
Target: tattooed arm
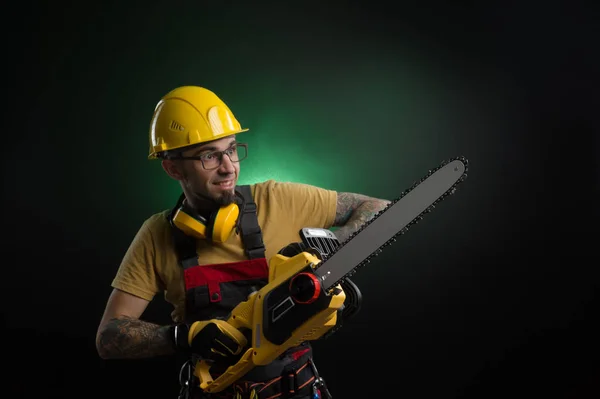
[353, 210]
[121, 334]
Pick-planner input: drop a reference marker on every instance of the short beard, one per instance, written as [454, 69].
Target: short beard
[204, 203]
[227, 198]
[208, 203]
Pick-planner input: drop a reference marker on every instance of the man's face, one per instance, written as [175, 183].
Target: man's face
[218, 184]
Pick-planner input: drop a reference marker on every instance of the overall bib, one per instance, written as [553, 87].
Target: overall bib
[213, 291]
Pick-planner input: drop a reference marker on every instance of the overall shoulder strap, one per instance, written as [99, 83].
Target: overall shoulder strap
[248, 224]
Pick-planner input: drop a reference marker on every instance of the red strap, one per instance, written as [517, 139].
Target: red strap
[296, 355]
[213, 275]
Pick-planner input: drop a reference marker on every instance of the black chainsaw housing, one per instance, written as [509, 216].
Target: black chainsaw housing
[324, 242]
[283, 315]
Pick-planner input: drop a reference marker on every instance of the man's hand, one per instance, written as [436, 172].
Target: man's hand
[216, 340]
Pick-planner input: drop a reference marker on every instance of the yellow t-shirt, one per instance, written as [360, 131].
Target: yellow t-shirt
[150, 263]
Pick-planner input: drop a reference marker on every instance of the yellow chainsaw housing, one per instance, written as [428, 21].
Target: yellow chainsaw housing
[250, 314]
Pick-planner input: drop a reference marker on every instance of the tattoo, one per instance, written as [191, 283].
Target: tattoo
[346, 204]
[353, 210]
[131, 338]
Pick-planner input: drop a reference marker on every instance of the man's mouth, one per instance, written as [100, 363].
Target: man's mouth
[225, 184]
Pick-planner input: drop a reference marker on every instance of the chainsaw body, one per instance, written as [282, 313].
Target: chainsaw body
[292, 308]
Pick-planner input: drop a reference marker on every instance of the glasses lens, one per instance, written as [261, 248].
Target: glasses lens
[213, 160]
[239, 153]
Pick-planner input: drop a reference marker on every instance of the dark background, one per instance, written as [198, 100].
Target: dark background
[492, 295]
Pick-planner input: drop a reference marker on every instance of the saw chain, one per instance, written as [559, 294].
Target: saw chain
[375, 253]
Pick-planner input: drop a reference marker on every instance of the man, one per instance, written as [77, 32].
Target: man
[195, 135]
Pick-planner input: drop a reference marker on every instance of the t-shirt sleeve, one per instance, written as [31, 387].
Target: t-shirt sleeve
[310, 206]
[137, 272]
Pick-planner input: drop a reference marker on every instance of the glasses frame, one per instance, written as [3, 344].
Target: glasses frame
[220, 154]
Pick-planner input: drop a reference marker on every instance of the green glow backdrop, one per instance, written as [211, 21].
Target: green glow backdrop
[490, 296]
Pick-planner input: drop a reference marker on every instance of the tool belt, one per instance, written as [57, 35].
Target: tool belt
[296, 377]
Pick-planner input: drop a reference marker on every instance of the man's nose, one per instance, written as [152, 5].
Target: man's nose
[226, 164]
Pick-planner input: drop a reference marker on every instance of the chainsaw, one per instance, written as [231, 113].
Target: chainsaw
[304, 295]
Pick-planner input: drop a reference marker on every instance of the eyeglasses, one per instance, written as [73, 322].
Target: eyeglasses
[213, 159]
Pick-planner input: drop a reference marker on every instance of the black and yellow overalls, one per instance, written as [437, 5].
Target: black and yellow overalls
[213, 291]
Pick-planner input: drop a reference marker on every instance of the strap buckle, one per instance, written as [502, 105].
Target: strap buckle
[186, 375]
[319, 387]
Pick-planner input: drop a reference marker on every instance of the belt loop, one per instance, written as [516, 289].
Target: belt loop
[214, 291]
[291, 383]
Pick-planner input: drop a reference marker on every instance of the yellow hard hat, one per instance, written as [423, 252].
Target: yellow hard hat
[189, 115]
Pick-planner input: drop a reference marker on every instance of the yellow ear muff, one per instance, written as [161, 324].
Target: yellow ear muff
[225, 222]
[190, 225]
[219, 228]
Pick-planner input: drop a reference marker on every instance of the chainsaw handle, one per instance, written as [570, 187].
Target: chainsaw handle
[241, 315]
[240, 319]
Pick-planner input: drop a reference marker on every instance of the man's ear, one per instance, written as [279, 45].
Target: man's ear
[172, 169]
